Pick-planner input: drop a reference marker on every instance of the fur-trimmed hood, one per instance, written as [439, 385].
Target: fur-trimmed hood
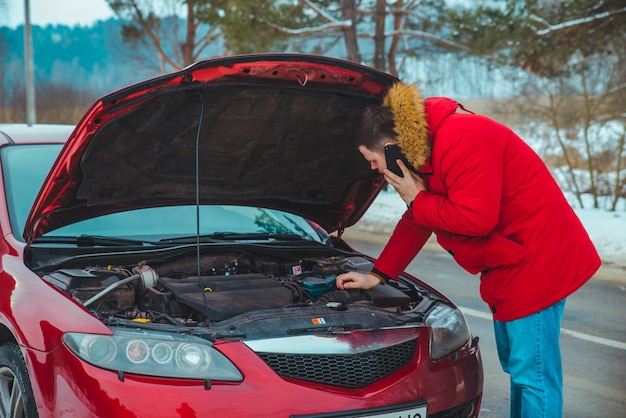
[409, 115]
[416, 120]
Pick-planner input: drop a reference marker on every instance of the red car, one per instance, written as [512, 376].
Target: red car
[175, 254]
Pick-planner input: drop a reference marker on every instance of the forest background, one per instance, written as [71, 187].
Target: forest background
[553, 70]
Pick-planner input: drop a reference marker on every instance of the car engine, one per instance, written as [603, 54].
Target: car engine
[233, 288]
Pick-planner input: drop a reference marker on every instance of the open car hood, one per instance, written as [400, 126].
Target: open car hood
[269, 130]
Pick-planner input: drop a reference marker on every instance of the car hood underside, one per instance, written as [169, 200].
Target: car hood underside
[245, 138]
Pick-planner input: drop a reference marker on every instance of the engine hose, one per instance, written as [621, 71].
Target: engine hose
[110, 288]
[336, 296]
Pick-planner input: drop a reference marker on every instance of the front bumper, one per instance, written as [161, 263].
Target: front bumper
[66, 386]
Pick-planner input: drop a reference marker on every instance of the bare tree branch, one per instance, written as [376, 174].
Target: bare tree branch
[328, 27]
[320, 13]
[575, 22]
[428, 36]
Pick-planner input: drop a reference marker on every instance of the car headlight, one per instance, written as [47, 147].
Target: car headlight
[449, 330]
[153, 354]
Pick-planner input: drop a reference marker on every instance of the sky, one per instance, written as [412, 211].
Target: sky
[607, 230]
[43, 12]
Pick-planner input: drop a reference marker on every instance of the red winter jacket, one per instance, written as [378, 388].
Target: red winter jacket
[495, 207]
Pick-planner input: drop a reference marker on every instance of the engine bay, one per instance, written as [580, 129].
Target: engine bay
[239, 292]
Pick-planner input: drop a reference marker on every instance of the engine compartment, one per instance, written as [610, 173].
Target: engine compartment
[238, 291]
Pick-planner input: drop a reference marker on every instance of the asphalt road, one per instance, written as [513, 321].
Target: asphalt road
[593, 337]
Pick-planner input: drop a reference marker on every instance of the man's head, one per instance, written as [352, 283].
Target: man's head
[376, 129]
[401, 119]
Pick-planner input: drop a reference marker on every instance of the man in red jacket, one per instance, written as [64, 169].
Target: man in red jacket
[495, 207]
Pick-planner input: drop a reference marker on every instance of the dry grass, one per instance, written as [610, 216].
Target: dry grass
[53, 114]
[504, 111]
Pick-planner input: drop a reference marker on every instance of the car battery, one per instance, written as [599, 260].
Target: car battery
[318, 285]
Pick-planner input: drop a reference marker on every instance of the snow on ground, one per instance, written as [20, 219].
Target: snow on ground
[606, 229]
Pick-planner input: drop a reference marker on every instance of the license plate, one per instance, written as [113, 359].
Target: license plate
[409, 410]
[416, 412]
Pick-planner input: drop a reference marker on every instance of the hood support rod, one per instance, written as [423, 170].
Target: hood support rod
[197, 186]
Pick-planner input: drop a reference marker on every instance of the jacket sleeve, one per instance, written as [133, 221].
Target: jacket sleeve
[470, 168]
[406, 241]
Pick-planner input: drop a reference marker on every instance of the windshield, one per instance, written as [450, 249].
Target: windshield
[25, 168]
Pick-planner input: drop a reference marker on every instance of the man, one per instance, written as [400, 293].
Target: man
[495, 207]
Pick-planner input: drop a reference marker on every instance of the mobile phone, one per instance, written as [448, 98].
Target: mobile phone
[393, 153]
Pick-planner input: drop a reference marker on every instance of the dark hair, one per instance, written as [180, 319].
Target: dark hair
[376, 127]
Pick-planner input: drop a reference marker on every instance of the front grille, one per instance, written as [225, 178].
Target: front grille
[345, 370]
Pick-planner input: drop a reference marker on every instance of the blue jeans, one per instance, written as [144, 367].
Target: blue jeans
[529, 352]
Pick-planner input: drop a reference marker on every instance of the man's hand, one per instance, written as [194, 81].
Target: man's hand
[408, 186]
[354, 280]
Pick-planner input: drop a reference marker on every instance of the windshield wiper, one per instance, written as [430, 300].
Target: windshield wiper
[92, 241]
[238, 236]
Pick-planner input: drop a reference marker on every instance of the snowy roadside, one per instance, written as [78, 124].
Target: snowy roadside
[606, 229]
